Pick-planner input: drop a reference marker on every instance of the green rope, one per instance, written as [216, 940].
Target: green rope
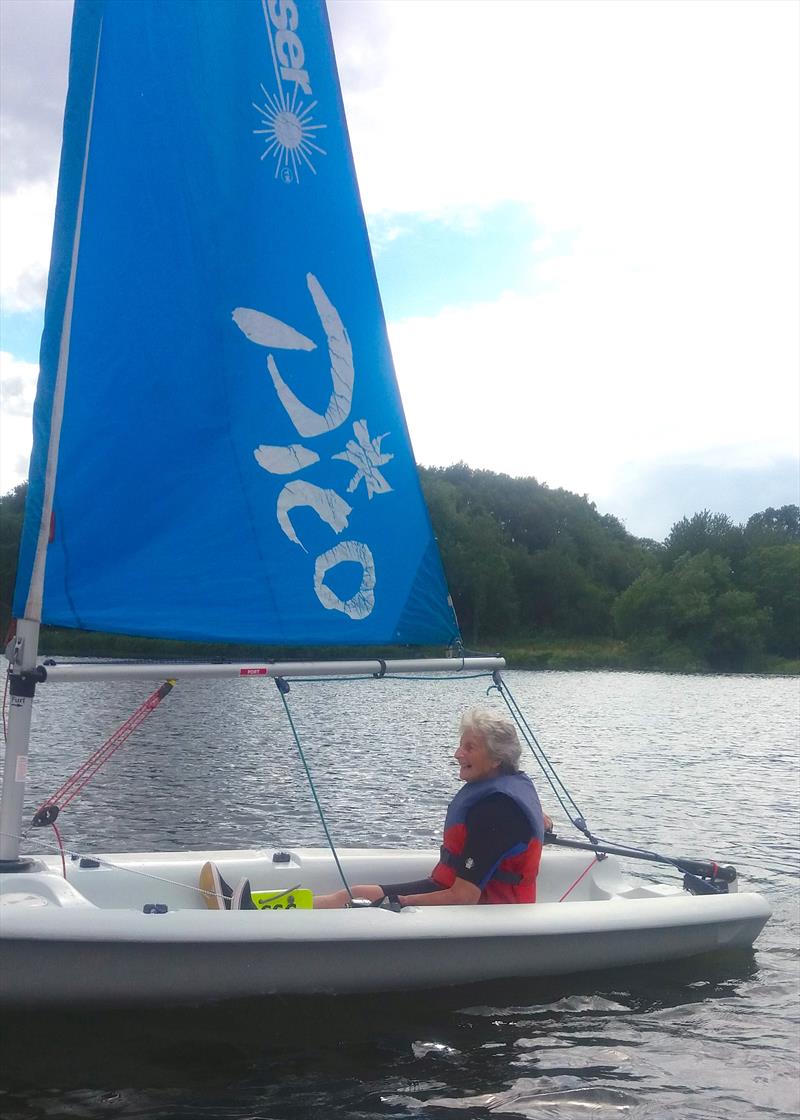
[283, 688]
[546, 766]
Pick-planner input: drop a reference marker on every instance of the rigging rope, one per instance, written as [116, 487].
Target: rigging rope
[548, 769]
[582, 875]
[283, 689]
[48, 811]
[567, 803]
[55, 829]
[393, 677]
[562, 794]
[5, 697]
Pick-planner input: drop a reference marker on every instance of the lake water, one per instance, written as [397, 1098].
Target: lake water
[689, 765]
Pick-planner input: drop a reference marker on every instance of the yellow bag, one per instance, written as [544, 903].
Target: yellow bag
[298, 899]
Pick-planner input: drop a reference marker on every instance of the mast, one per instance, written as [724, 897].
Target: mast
[24, 647]
[22, 652]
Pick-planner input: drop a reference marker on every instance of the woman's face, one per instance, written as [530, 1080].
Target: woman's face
[474, 759]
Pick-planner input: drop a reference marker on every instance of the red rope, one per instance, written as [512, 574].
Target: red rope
[5, 725]
[11, 633]
[84, 774]
[54, 826]
[586, 870]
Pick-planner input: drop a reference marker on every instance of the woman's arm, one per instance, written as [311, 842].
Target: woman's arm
[461, 893]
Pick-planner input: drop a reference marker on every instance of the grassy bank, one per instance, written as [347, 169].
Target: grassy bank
[565, 654]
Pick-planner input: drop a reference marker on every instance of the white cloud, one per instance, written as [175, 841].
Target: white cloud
[17, 392]
[574, 384]
[662, 137]
[34, 52]
[624, 114]
[27, 230]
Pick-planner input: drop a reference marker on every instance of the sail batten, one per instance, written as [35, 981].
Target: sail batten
[233, 462]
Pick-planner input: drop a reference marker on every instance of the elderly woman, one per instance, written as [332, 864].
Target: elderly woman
[493, 830]
[493, 833]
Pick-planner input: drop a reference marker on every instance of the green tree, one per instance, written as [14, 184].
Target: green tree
[476, 561]
[739, 629]
[562, 598]
[645, 607]
[774, 526]
[705, 532]
[561, 561]
[772, 574]
[694, 609]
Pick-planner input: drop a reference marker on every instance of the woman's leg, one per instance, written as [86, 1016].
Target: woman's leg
[339, 899]
[374, 893]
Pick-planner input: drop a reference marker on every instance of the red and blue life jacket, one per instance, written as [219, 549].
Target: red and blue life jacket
[513, 878]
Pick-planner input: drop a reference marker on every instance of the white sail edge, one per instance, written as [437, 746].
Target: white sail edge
[79, 673]
[24, 648]
[33, 604]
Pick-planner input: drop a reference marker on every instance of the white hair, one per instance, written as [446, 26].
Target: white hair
[498, 733]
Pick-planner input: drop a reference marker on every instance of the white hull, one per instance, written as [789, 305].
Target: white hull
[87, 940]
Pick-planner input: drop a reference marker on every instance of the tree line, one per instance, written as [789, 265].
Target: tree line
[524, 562]
[527, 564]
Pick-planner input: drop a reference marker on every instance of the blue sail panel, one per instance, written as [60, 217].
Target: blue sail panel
[233, 461]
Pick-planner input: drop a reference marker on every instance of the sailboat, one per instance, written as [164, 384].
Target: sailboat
[220, 453]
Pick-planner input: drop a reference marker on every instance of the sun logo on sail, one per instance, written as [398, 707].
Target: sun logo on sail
[289, 134]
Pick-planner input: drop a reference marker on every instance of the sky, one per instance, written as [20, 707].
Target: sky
[584, 216]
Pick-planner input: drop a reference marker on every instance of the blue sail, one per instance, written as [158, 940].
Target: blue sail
[220, 450]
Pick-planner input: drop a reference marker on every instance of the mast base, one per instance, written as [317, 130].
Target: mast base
[9, 866]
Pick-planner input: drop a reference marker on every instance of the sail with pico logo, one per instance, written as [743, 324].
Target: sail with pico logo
[220, 450]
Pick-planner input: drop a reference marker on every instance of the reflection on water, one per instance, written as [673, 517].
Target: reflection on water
[692, 765]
